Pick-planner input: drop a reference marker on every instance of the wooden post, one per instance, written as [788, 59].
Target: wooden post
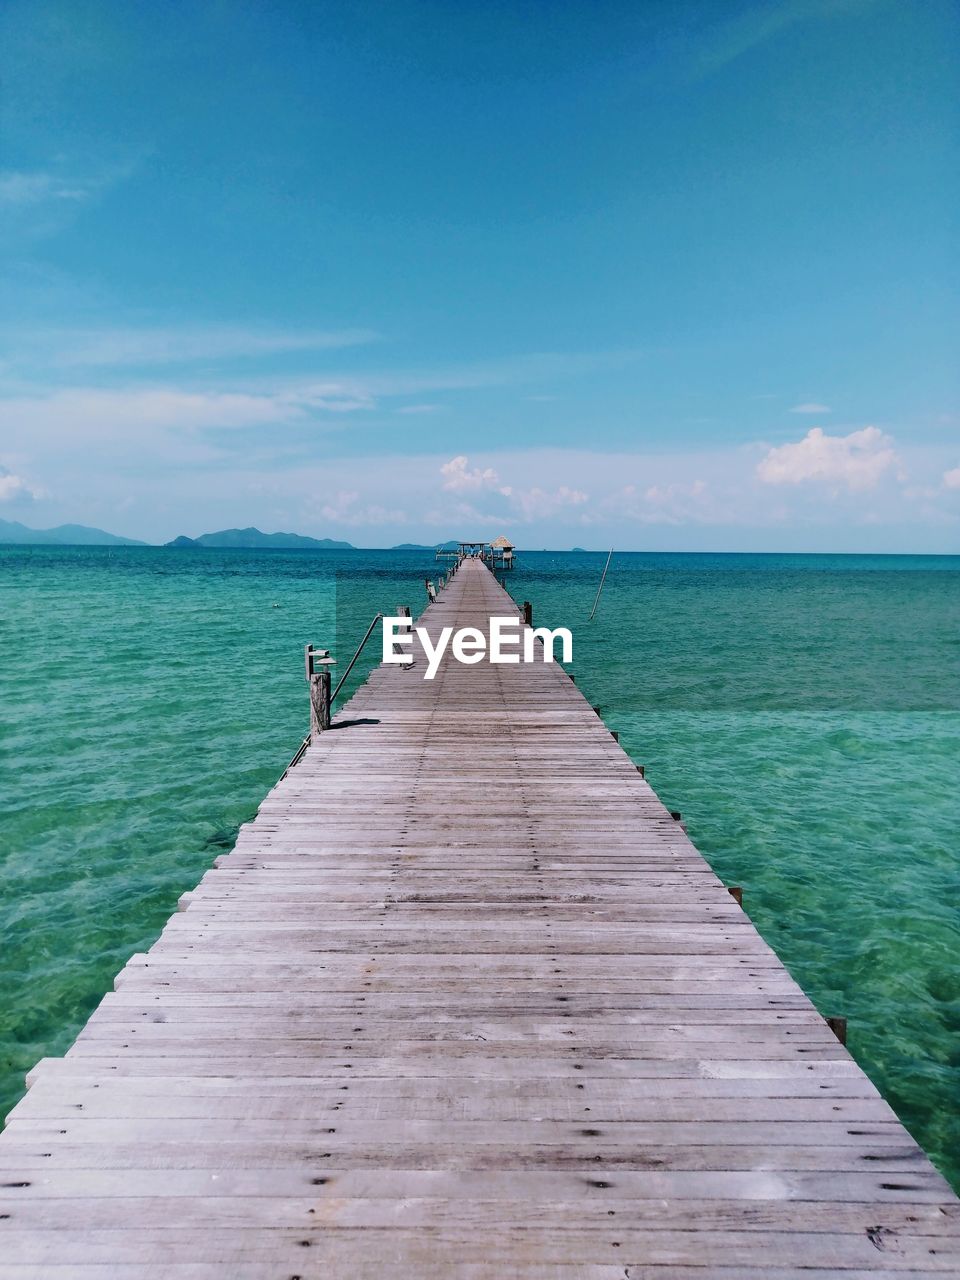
[736, 893]
[403, 611]
[839, 1028]
[528, 613]
[614, 735]
[319, 704]
[642, 770]
[319, 682]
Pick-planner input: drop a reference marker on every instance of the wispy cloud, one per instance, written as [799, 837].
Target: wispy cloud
[856, 461]
[420, 408]
[735, 36]
[538, 367]
[117, 405]
[811, 406]
[124, 347]
[951, 478]
[80, 415]
[19, 188]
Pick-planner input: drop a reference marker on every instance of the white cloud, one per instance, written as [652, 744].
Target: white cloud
[951, 478]
[667, 501]
[539, 504]
[459, 478]
[534, 503]
[345, 511]
[420, 408]
[669, 493]
[14, 488]
[856, 461]
[679, 499]
[811, 406]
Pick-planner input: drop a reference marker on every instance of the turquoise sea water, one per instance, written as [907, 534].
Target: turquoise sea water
[803, 712]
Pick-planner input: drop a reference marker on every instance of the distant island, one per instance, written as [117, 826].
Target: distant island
[79, 535]
[247, 539]
[419, 546]
[64, 535]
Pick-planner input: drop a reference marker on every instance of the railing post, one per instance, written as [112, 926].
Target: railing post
[528, 613]
[319, 682]
[403, 611]
[319, 704]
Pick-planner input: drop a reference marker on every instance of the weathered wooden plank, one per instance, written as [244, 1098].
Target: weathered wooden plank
[410, 1249]
[873, 1188]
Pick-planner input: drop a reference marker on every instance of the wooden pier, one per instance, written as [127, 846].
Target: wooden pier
[464, 1001]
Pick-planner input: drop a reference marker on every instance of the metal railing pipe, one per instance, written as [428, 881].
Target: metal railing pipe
[350, 664]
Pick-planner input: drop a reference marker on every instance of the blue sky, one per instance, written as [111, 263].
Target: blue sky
[653, 275]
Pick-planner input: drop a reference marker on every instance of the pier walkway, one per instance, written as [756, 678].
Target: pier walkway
[466, 1002]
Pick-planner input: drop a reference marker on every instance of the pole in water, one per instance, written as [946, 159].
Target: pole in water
[603, 579]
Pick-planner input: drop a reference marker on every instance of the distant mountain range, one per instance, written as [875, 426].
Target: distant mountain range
[252, 538]
[64, 535]
[418, 546]
[79, 535]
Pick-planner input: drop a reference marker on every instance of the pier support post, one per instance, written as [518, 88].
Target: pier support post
[528, 613]
[319, 704]
[839, 1028]
[319, 682]
[403, 611]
